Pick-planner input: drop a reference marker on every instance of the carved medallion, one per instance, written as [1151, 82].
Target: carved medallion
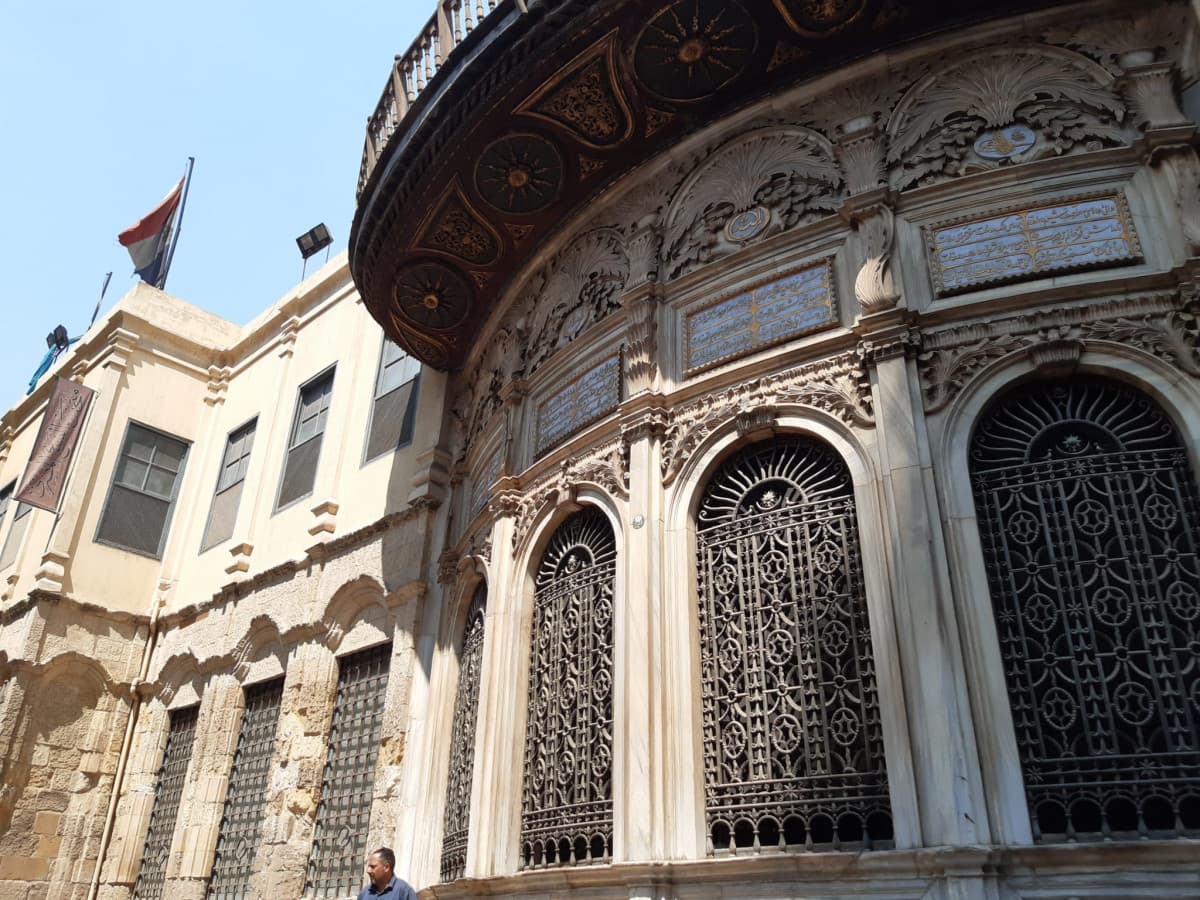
[1005, 143]
[748, 225]
[433, 295]
[820, 18]
[694, 48]
[585, 98]
[520, 173]
[456, 228]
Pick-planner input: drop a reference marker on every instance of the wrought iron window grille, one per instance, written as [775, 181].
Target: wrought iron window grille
[241, 820]
[792, 735]
[456, 832]
[181, 734]
[335, 866]
[1089, 518]
[566, 809]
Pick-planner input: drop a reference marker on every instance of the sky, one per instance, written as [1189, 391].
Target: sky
[102, 103]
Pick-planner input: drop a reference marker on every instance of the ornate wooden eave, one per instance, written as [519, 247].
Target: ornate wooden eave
[532, 114]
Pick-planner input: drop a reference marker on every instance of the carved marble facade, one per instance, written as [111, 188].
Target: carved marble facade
[866, 263]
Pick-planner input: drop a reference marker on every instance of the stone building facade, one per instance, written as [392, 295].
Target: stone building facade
[800, 499]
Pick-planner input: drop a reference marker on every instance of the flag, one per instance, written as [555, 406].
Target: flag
[149, 240]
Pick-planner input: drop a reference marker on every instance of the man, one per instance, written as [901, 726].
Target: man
[384, 884]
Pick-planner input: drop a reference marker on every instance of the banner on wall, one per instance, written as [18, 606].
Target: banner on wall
[46, 474]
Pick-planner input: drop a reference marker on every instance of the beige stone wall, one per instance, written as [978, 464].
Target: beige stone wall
[64, 706]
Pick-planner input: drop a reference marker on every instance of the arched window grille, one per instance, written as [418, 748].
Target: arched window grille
[462, 741]
[793, 744]
[1090, 523]
[566, 809]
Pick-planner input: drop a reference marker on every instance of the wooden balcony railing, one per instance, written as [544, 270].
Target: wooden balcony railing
[414, 69]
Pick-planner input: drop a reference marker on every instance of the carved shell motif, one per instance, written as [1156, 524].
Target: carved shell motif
[764, 182]
[583, 285]
[1001, 106]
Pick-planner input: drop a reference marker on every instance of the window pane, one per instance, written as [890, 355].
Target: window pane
[299, 470]
[12, 543]
[141, 444]
[392, 420]
[168, 453]
[5, 499]
[134, 521]
[160, 482]
[131, 472]
[314, 401]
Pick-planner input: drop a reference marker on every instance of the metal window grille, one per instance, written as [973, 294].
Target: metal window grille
[335, 866]
[462, 742]
[145, 483]
[566, 809]
[241, 821]
[304, 445]
[1089, 518]
[234, 464]
[181, 734]
[792, 739]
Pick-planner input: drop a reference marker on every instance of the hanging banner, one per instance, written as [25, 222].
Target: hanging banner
[46, 474]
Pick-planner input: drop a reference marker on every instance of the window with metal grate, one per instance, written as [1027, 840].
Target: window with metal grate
[12, 543]
[180, 736]
[241, 821]
[336, 864]
[395, 405]
[304, 445]
[149, 471]
[223, 514]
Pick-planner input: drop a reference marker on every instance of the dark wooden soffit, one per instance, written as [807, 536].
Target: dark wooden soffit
[540, 112]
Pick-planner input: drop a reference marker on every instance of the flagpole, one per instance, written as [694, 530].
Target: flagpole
[187, 183]
[103, 290]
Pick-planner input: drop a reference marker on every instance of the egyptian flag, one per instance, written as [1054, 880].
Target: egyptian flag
[149, 240]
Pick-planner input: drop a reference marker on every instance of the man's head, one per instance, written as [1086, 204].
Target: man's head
[380, 865]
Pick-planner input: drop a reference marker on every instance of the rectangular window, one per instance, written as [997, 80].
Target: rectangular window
[344, 812]
[147, 478]
[395, 403]
[223, 514]
[241, 823]
[5, 498]
[16, 533]
[304, 444]
[180, 735]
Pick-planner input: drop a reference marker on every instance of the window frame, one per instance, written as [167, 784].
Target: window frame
[218, 490]
[112, 483]
[376, 396]
[21, 510]
[329, 371]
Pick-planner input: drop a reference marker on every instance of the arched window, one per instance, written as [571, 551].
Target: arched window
[566, 809]
[462, 741]
[793, 745]
[1090, 523]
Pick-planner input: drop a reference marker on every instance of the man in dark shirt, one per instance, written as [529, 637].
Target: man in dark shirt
[384, 884]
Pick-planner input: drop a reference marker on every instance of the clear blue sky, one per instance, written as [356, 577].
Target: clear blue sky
[102, 103]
